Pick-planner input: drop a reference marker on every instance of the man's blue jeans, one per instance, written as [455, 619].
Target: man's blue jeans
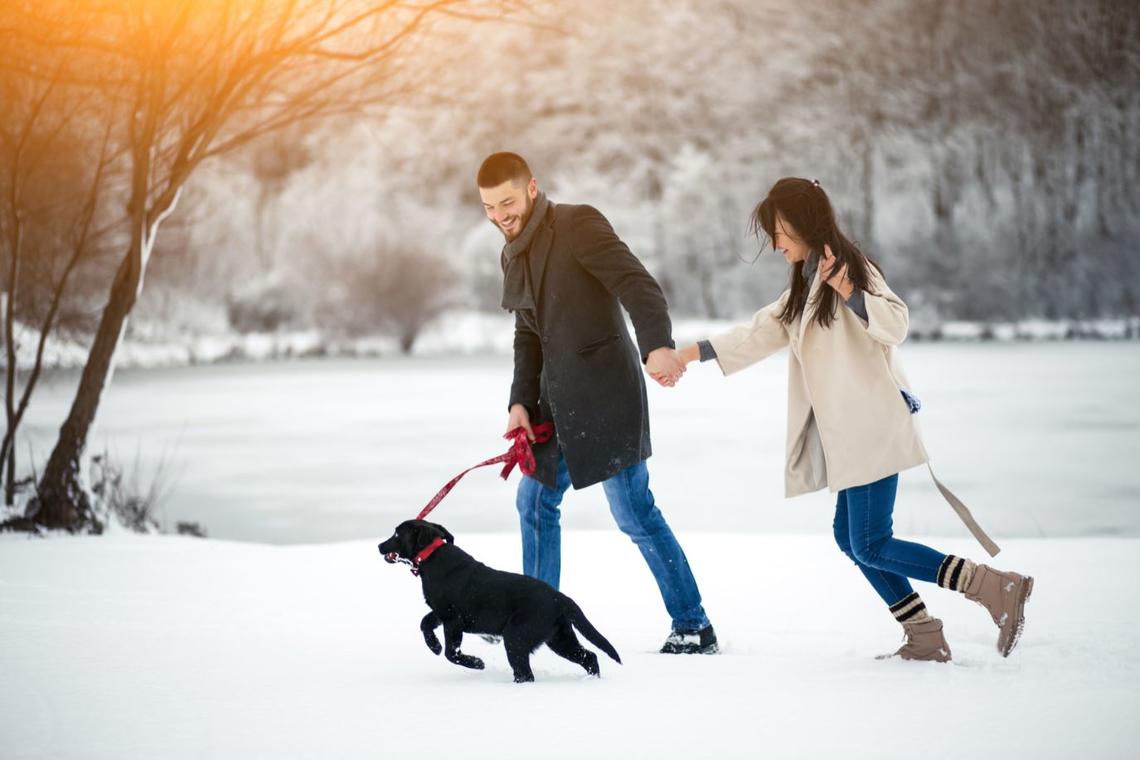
[864, 531]
[632, 506]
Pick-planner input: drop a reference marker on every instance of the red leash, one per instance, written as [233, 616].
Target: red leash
[519, 453]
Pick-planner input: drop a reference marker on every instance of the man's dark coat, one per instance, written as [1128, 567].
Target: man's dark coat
[580, 367]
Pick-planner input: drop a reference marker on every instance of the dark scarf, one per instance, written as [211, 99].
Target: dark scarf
[518, 290]
[811, 264]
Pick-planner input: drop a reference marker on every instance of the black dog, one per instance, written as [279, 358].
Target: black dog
[466, 596]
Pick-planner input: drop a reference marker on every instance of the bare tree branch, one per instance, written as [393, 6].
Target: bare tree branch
[188, 81]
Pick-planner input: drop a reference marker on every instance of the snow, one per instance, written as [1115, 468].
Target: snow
[170, 647]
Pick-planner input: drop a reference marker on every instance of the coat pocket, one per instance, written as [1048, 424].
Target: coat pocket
[594, 345]
[911, 401]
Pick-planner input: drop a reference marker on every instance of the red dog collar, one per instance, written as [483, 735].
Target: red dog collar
[426, 552]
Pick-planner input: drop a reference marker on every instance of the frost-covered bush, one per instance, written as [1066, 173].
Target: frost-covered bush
[118, 494]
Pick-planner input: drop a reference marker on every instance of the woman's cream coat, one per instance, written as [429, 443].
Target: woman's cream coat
[848, 423]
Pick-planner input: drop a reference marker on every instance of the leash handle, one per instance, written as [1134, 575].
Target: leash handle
[519, 453]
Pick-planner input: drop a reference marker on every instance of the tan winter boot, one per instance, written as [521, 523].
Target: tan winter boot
[1004, 595]
[924, 641]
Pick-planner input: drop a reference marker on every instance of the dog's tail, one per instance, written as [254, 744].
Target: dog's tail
[586, 628]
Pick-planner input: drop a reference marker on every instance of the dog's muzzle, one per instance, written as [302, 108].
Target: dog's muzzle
[391, 558]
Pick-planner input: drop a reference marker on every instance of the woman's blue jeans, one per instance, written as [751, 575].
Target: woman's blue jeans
[864, 531]
[632, 505]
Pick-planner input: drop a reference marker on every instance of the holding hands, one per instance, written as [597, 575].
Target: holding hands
[665, 366]
[835, 274]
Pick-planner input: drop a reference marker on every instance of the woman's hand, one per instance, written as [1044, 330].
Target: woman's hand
[835, 274]
[690, 354]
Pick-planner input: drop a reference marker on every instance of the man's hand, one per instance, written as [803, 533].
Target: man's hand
[520, 417]
[665, 366]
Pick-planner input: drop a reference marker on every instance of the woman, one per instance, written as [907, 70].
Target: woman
[850, 424]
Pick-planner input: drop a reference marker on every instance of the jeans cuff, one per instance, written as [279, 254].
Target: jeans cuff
[689, 626]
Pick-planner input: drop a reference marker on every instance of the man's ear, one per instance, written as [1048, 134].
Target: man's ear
[532, 188]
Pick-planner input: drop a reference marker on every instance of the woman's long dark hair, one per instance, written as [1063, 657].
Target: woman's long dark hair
[805, 206]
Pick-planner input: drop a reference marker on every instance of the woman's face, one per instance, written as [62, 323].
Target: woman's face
[788, 242]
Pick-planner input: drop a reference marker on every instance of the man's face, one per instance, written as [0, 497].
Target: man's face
[508, 206]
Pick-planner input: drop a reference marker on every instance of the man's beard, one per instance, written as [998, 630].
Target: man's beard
[522, 220]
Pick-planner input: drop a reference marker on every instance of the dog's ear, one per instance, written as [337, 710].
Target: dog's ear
[444, 532]
[426, 532]
[422, 536]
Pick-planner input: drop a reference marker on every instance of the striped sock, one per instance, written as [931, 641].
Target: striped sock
[955, 573]
[910, 609]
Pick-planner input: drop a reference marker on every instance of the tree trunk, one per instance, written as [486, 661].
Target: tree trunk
[708, 292]
[407, 341]
[60, 500]
[10, 482]
[260, 245]
[945, 277]
[8, 448]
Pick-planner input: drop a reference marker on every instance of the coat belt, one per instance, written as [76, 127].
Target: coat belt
[964, 514]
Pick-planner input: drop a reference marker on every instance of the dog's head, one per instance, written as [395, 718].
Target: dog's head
[410, 538]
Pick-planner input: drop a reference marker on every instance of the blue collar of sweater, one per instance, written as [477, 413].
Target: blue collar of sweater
[811, 264]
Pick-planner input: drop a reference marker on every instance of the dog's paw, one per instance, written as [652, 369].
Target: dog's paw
[465, 660]
[433, 643]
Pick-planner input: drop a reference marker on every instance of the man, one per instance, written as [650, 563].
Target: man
[566, 276]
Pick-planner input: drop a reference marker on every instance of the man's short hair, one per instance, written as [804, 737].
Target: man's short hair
[498, 168]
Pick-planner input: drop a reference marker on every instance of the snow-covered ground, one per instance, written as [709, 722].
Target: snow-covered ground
[129, 646]
[1039, 439]
[165, 647]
